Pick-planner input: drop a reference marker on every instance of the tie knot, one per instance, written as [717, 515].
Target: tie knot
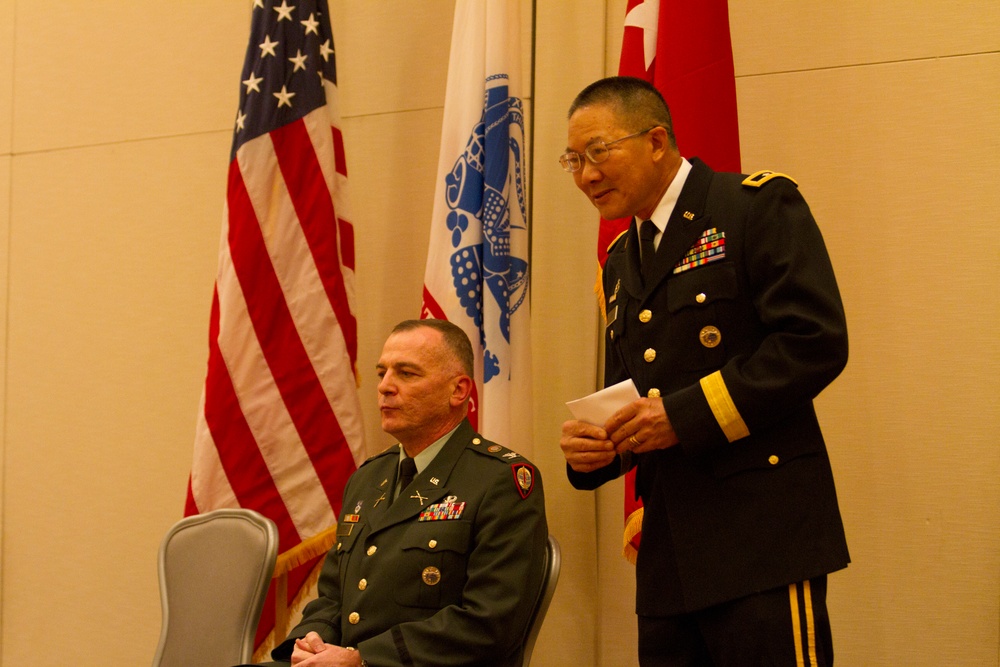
[647, 232]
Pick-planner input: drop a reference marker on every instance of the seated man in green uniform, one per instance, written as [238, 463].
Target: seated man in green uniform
[443, 569]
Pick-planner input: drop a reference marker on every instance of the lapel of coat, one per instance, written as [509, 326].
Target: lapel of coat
[624, 264]
[429, 486]
[686, 223]
[382, 472]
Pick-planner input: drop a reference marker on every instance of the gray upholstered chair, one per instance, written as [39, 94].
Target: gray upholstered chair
[215, 569]
[553, 563]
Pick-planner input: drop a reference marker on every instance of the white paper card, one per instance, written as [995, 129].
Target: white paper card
[598, 407]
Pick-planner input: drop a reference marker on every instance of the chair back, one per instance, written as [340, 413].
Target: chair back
[553, 563]
[214, 569]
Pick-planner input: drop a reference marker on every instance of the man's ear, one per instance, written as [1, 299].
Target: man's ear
[660, 142]
[462, 390]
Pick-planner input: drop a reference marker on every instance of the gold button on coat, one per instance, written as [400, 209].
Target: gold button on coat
[772, 459]
[432, 543]
[649, 355]
[372, 549]
[701, 298]
[645, 316]
[710, 336]
[354, 618]
[653, 393]
[431, 576]
[363, 584]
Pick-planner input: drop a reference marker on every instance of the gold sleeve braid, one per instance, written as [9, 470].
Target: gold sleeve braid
[722, 406]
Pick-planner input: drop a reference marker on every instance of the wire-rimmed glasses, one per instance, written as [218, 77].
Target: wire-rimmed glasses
[596, 152]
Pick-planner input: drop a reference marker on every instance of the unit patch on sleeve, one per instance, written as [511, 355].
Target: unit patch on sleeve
[524, 475]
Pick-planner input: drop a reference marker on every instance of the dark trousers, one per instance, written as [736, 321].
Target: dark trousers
[787, 626]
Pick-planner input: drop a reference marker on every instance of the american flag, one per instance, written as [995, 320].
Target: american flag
[683, 48]
[279, 429]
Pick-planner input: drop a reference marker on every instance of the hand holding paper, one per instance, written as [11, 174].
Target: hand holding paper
[584, 442]
[642, 428]
[598, 408]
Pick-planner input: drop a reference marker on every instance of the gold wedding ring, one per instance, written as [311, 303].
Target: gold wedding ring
[632, 439]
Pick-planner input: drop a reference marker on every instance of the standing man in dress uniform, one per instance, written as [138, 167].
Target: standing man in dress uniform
[441, 570]
[722, 307]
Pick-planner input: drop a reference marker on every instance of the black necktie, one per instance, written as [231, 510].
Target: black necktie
[407, 470]
[646, 233]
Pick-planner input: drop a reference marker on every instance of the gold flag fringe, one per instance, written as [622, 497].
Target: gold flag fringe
[277, 634]
[599, 291]
[305, 551]
[633, 526]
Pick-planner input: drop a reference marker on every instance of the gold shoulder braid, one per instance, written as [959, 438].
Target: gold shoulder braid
[761, 177]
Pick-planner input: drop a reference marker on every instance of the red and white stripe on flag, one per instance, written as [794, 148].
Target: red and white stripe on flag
[279, 429]
[684, 49]
[477, 261]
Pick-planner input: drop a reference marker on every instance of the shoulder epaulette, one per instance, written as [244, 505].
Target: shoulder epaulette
[523, 473]
[488, 448]
[616, 239]
[761, 177]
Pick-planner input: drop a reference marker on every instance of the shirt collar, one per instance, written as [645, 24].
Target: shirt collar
[662, 212]
[424, 458]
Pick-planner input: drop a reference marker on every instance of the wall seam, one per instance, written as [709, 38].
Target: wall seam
[898, 61]
[6, 327]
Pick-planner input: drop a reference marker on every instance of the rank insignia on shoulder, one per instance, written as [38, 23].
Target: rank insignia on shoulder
[761, 177]
[524, 476]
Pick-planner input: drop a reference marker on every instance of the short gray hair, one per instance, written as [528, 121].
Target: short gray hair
[455, 339]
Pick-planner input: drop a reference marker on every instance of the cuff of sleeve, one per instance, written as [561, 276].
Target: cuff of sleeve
[723, 408]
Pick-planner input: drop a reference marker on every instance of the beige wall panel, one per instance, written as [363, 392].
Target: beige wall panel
[792, 35]
[94, 72]
[899, 163]
[4, 264]
[6, 72]
[392, 55]
[569, 55]
[113, 257]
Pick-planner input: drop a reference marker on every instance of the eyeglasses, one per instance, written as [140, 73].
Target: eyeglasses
[597, 152]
